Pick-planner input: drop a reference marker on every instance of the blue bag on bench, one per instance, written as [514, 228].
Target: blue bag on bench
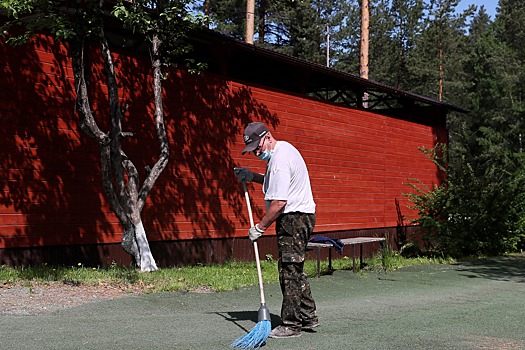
[336, 242]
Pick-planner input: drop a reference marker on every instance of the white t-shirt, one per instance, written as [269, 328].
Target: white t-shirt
[287, 179]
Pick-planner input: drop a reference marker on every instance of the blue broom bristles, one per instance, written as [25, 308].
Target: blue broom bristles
[255, 338]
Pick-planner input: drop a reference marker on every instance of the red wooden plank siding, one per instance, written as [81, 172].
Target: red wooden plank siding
[359, 161]
[50, 174]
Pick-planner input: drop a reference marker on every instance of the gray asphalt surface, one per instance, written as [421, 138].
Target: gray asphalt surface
[478, 305]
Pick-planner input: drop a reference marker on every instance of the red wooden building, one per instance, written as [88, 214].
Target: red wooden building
[359, 153]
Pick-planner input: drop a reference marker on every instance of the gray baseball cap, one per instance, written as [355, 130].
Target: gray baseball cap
[253, 134]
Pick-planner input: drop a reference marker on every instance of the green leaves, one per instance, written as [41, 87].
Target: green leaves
[483, 196]
[479, 209]
[35, 16]
[16, 9]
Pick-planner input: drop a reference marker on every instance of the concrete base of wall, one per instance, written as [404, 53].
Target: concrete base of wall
[189, 252]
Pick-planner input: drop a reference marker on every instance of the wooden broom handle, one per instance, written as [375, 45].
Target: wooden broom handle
[257, 260]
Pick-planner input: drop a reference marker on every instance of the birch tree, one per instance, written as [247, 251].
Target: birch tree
[81, 24]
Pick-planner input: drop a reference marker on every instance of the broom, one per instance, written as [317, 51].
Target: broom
[259, 334]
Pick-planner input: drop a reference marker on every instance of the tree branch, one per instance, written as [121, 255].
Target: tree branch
[87, 122]
[116, 126]
[159, 126]
[133, 182]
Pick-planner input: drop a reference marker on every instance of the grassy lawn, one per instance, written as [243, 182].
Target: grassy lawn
[227, 276]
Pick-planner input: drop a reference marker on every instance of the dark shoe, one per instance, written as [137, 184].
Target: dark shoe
[284, 332]
[310, 325]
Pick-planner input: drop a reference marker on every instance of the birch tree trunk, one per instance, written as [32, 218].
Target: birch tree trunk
[165, 24]
[120, 177]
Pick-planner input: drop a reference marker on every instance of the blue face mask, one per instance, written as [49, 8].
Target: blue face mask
[266, 155]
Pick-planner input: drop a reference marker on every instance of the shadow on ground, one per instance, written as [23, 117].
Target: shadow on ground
[508, 268]
[237, 317]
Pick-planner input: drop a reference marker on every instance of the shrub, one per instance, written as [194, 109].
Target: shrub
[471, 214]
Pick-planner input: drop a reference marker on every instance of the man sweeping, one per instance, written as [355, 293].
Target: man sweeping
[289, 203]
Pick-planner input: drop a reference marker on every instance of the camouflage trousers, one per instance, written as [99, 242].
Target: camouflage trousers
[293, 233]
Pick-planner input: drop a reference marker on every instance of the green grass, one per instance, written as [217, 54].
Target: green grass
[227, 276]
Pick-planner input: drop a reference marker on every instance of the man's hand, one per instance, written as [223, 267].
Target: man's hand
[244, 174]
[254, 233]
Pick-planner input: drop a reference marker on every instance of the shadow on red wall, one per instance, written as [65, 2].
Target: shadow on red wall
[51, 179]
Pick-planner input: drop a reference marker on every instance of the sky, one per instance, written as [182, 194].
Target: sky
[490, 6]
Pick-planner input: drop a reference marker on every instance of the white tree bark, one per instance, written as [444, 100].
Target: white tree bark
[147, 262]
[135, 242]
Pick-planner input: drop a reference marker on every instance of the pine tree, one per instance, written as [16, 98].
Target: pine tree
[436, 64]
[407, 15]
[227, 16]
[486, 171]
[345, 40]
[512, 17]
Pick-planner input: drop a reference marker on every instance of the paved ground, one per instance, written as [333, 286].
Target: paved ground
[478, 305]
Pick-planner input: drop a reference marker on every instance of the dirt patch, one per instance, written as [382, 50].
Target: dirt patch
[486, 343]
[203, 289]
[45, 299]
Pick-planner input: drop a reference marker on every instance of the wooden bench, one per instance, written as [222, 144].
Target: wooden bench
[346, 241]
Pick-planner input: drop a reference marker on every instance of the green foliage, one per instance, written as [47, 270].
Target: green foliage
[226, 16]
[15, 8]
[26, 17]
[510, 20]
[474, 213]
[395, 261]
[227, 276]
[297, 28]
[479, 209]
[169, 21]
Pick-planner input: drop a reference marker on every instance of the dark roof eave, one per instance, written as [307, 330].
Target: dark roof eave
[366, 84]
